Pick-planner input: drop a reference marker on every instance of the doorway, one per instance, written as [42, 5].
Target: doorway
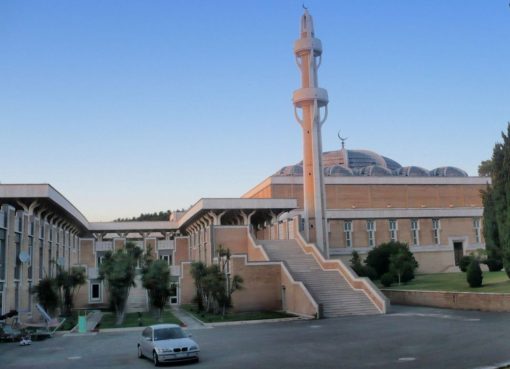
[458, 251]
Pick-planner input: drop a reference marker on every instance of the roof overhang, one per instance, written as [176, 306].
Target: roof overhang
[204, 206]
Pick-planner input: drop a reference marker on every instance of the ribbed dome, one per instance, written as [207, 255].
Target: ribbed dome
[291, 170]
[368, 163]
[338, 171]
[448, 172]
[374, 171]
[412, 171]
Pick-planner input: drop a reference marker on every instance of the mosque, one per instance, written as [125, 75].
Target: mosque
[290, 236]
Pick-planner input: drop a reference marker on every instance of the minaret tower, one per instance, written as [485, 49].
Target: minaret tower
[310, 99]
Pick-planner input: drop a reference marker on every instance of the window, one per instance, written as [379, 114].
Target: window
[100, 260]
[17, 262]
[393, 229]
[415, 232]
[371, 232]
[166, 258]
[95, 291]
[30, 253]
[436, 227]
[348, 233]
[16, 295]
[41, 257]
[2, 255]
[3, 223]
[476, 226]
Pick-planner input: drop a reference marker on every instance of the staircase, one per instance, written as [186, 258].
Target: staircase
[329, 288]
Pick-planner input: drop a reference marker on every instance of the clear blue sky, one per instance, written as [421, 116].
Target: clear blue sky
[137, 106]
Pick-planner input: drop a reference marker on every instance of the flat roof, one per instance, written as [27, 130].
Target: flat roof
[369, 180]
[206, 205]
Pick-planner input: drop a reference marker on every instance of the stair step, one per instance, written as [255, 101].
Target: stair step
[329, 288]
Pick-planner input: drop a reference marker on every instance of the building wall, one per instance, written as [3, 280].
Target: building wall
[340, 196]
[261, 286]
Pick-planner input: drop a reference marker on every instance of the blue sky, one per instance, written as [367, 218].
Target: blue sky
[137, 106]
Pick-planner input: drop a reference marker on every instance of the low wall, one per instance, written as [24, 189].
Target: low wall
[451, 300]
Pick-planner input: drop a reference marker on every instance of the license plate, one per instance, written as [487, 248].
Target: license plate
[181, 355]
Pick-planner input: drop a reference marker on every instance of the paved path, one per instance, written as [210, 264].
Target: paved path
[187, 318]
[417, 338]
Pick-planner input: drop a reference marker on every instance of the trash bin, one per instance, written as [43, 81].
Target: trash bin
[82, 324]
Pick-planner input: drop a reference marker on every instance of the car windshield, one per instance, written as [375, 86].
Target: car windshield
[168, 334]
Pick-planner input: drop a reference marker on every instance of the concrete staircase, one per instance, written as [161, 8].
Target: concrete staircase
[329, 288]
[137, 299]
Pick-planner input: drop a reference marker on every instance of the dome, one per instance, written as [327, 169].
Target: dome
[412, 171]
[391, 164]
[291, 170]
[374, 171]
[448, 172]
[364, 158]
[338, 171]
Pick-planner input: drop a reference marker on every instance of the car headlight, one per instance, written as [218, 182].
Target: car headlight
[164, 350]
[193, 348]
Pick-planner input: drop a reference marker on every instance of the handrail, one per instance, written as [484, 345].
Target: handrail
[360, 283]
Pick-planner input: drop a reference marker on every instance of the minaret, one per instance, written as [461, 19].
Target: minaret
[310, 99]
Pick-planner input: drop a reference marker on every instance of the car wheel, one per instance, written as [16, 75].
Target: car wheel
[140, 353]
[155, 358]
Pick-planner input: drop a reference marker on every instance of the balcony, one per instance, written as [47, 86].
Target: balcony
[175, 270]
[104, 246]
[166, 244]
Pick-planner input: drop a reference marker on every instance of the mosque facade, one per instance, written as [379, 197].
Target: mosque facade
[290, 236]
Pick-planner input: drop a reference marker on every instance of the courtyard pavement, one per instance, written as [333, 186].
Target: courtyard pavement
[408, 337]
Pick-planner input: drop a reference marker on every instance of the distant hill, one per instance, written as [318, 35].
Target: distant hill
[162, 215]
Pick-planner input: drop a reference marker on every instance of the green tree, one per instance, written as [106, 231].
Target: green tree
[379, 258]
[214, 283]
[46, 294]
[497, 203]
[118, 269]
[156, 279]
[402, 263]
[68, 283]
[490, 231]
[485, 168]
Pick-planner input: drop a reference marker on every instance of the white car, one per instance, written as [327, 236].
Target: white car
[167, 343]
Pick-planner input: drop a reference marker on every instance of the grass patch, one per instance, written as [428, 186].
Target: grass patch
[131, 320]
[233, 317]
[497, 282]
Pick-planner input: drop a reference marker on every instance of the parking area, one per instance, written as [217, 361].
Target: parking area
[406, 338]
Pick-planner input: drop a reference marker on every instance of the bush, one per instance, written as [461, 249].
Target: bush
[360, 269]
[474, 274]
[494, 265]
[387, 279]
[465, 261]
[379, 259]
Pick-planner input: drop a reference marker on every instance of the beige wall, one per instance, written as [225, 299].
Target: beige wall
[234, 238]
[262, 286]
[340, 196]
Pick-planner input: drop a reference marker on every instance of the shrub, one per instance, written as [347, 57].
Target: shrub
[387, 279]
[474, 274]
[360, 269]
[379, 259]
[494, 265]
[465, 261]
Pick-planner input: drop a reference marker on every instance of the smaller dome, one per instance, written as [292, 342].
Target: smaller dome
[412, 171]
[448, 172]
[374, 171]
[291, 170]
[338, 171]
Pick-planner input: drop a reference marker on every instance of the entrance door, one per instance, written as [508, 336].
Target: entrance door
[458, 251]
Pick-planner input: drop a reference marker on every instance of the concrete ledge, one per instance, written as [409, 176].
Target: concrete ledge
[483, 301]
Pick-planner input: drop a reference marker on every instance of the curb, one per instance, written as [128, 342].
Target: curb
[259, 321]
